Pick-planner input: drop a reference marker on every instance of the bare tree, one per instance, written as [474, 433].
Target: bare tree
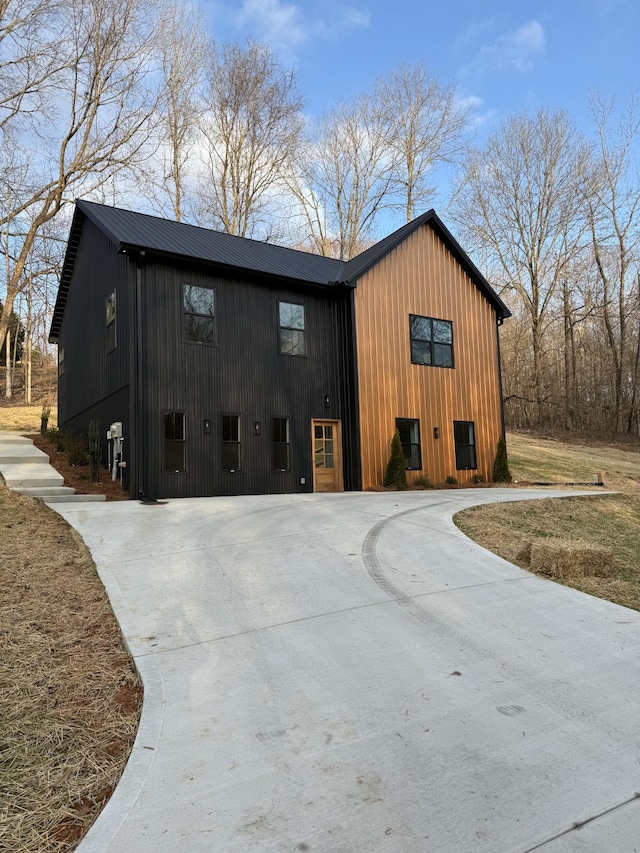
[520, 200]
[251, 130]
[425, 125]
[343, 179]
[93, 120]
[612, 199]
[183, 47]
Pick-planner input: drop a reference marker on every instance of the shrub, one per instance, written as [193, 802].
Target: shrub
[501, 473]
[77, 451]
[422, 482]
[44, 419]
[451, 481]
[477, 478]
[95, 450]
[58, 437]
[396, 473]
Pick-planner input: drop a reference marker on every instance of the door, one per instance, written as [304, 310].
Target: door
[327, 456]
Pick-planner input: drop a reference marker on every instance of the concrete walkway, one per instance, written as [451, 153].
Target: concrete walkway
[26, 470]
[346, 673]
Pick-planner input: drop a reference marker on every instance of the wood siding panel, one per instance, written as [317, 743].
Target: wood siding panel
[244, 374]
[421, 277]
[91, 373]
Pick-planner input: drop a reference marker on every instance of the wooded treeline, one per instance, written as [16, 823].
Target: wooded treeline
[131, 102]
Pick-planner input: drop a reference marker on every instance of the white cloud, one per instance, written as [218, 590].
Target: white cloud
[285, 26]
[516, 50]
[278, 23]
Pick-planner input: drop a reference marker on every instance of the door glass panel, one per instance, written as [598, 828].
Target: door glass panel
[328, 460]
[328, 432]
[318, 432]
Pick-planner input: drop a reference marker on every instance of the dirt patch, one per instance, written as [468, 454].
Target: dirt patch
[70, 697]
[79, 476]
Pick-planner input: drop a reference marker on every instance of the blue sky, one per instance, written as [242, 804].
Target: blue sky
[503, 56]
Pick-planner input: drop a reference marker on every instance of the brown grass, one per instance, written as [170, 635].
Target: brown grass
[69, 695]
[563, 539]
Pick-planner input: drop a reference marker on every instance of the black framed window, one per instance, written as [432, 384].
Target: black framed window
[198, 314]
[280, 452]
[431, 341]
[464, 436]
[174, 442]
[60, 361]
[409, 431]
[231, 442]
[291, 328]
[111, 321]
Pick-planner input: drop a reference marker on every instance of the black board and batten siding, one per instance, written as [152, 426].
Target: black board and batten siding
[242, 374]
[95, 383]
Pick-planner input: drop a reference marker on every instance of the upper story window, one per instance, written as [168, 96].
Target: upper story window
[111, 321]
[60, 361]
[431, 341]
[409, 431]
[198, 314]
[291, 320]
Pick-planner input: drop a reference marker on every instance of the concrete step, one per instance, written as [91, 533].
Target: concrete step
[19, 476]
[44, 491]
[12, 438]
[20, 457]
[59, 499]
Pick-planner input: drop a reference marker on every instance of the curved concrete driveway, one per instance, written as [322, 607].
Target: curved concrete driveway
[345, 673]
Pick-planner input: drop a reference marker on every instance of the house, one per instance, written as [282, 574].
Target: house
[240, 367]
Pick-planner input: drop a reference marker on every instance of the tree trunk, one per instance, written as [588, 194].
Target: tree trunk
[7, 361]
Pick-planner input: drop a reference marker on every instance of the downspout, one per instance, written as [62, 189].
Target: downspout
[499, 322]
[140, 409]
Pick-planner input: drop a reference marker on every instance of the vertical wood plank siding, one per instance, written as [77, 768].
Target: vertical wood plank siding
[95, 382]
[421, 277]
[244, 374]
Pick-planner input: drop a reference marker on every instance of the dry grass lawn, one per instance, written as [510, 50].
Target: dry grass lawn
[69, 695]
[589, 543]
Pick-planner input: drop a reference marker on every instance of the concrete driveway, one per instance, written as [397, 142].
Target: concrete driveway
[345, 673]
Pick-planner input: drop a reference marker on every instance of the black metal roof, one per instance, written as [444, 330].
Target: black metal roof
[133, 232]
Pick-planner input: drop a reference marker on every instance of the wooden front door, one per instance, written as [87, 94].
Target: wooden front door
[327, 456]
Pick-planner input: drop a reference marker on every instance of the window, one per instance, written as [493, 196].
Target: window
[465, 441]
[111, 322]
[198, 314]
[280, 447]
[291, 319]
[174, 442]
[324, 450]
[431, 341]
[231, 442]
[409, 431]
[60, 361]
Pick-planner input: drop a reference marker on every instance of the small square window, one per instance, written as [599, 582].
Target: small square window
[431, 341]
[291, 328]
[464, 436]
[111, 321]
[198, 314]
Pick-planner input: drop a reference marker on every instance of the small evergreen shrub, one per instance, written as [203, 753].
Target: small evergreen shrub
[44, 419]
[451, 481]
[501, 473]
[396, 473]
[422, 482]
[477, 478]
[77, 451]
